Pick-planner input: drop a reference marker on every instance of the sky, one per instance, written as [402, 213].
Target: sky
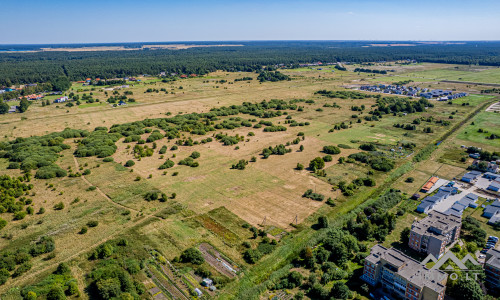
[102, 21]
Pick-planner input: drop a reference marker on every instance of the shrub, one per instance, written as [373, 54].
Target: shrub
[331, 149]
[20, 215]
[92, 223]
[241, 165]
[195, 155]
[3, 223]
[59, 206]
[251, 256]
[129, 163]
[167, 164]
[192, 255]
[108, 159]
[314, 196]
[317, 164]
[367, 147]
[83, 230]
[410, 179]
[151, 196]
[50, 171]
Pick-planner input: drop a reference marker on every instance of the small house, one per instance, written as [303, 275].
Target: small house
[425, 206]
[429, 184]
[491, 176]
[61, 99]
[470, 176]
[492, 167]
[494, 186]
[492, 209]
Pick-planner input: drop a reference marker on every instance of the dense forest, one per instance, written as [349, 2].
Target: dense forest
[18, 68]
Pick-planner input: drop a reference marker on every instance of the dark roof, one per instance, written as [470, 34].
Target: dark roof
[472, 196]
[495, 184]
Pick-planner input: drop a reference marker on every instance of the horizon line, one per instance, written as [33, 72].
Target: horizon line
[239, 41]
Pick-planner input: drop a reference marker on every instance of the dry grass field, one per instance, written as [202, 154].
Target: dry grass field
[212, 200]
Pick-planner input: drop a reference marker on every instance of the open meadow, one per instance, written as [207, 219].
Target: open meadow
[205, 161]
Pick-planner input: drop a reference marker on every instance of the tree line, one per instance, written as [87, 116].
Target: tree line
[19, 68]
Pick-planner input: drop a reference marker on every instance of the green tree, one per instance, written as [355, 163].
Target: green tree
[3, 223]
[108, 288]
[61, 84]
[467, 290]
[4, 108]
[317, 164]
[192, 255]
[72, 288]
[340, 291]
[62, 269]
[56, 293]
[331, 149]
[323, 222]
[23, 105]
[405, 236]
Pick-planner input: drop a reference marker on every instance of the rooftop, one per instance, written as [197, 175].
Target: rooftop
[437, 220]
[408, 268]
[495, 258]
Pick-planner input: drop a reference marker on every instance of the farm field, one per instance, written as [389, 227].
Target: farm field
[231, 196]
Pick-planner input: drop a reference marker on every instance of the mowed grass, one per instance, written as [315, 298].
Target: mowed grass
[487, 121]
[458, 73]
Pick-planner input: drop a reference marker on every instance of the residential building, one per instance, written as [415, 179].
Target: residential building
[494, 186]
[433, 233]
[430, 202]
[492, 209]
[492, 167]
[492, 176]
[492, 268]
[425, 206]
[403, 276]
[429, 184]
[494, 219]
[459, 206]
[61, 99]
[470, 176]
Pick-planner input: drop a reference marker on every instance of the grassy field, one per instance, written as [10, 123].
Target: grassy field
[457, 73]
[486, 121]
[214, 202]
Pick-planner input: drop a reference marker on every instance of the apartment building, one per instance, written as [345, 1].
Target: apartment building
[492, 268]
[403, 276]
[433, 233]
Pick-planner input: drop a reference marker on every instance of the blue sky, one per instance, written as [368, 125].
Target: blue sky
[58, 21]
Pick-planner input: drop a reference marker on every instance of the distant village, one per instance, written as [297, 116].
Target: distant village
[410, 91]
